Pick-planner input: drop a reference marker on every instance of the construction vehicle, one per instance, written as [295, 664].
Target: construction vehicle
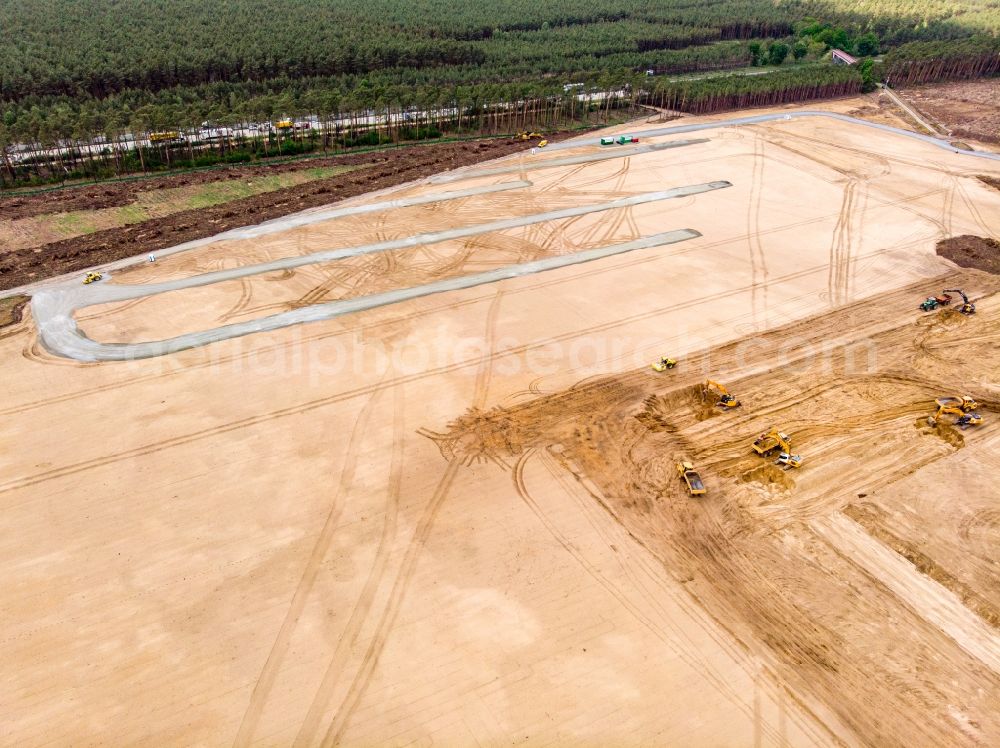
[725, 399]
[542, 143]
[523, 135]
[772, 440]
[693, 481]
[92, 278]
[933, 302]
[285, 124]
[607, 141]
[966, 403]
[623, 139]
[165, 137]
[664, 363]
[786, 460]
[963, 408]
[967, 306]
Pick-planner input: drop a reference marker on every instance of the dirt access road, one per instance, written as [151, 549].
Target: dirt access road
[455, 519]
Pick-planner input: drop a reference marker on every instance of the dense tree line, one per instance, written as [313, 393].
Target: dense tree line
[74, 69]
[740, 91]
[73, 47]
[925, 62]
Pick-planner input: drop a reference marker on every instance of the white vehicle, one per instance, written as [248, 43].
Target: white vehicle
[215, 133]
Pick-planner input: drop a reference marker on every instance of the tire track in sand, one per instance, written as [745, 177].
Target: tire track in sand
[279, 649]
[758, 260]
[977, 216]
[645, 573]
[341, 718]
[348, 638]
[839, 248]
[59, 472]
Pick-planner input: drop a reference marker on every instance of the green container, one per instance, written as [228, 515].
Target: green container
[607, 141]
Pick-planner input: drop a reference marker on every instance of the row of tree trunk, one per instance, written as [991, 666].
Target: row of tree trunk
[914, 72]
[118, 156]
[722, 101]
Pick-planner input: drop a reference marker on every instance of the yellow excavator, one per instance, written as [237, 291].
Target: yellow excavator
[527, 135]
[962, 407]
[725, 399]
[92, 278]
[966, 307]
[772, 440]
[693, 481]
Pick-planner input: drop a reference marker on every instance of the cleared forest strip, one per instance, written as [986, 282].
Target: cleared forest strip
[56, 226]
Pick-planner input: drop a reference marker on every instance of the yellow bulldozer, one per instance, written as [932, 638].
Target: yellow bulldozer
[92, 278]
[725, 399]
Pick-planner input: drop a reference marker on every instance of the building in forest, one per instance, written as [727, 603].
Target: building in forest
[840, 57]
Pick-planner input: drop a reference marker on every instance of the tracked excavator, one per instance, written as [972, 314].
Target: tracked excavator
[725, 399]
[966, 307]
[772, 440]
[963, 407]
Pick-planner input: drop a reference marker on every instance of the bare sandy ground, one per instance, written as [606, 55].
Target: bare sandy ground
[456, 520]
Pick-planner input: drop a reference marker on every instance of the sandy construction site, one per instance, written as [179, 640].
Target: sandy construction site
[399, 471]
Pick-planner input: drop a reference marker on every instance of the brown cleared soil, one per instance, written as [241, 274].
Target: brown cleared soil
[23, 266]
[969, 109]
[972, 252]
[749, 551]
[880, 109]
[118, 194]
[458, 520]
[11, 310]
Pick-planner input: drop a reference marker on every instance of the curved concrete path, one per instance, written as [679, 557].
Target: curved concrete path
[53, 309]
[62, 336]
